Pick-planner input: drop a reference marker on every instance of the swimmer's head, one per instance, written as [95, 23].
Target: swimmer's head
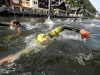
[15, 24]
[43, 38]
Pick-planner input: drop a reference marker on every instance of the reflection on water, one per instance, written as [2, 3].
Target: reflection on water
[67, 55]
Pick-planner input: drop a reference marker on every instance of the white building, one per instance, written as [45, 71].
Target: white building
[37, 5]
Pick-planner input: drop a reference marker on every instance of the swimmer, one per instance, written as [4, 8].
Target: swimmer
[14, 24]
[43, 38]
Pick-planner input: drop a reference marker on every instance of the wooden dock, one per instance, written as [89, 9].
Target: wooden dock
[8, 14]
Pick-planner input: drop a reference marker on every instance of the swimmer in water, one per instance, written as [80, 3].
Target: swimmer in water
[45, 39]
[14, 24]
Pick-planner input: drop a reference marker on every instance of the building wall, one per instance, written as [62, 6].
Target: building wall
[28, 5]
[25, 3]
[40, 5]
[15, 3]
[43, 4]
[34, 3]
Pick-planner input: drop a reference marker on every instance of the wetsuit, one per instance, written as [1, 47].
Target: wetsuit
[22, 27]
[59, 29]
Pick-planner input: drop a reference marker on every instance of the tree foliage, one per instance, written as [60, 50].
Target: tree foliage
[87, 3]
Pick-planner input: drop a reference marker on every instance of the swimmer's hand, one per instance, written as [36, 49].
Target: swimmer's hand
[6, 59]
[84, 34]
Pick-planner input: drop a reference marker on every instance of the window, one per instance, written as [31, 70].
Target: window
[43, 4]
[16, 1]
[35, 2]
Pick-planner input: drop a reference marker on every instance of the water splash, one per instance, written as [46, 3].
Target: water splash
[32, 46]
[30, 26]
[69, 35]
[29, 38]
[80, 57]
[48, 21]
[12, 27]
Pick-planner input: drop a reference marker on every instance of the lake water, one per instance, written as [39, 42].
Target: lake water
[67, 55]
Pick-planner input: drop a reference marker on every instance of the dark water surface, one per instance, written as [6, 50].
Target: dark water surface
[67, 55]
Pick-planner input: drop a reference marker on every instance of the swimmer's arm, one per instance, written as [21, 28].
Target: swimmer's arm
[12, 36]
[18, 32]
[9, 37]
[84, 33]
[71, 29]
[4, 24]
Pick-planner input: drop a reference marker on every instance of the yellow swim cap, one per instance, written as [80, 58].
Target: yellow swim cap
[42, 37]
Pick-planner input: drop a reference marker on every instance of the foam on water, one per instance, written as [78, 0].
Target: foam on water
[49, 22]
[30, 26]
[12, 27]
[32, 45]
[28, 38]
[81, 57]
[70, 35]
